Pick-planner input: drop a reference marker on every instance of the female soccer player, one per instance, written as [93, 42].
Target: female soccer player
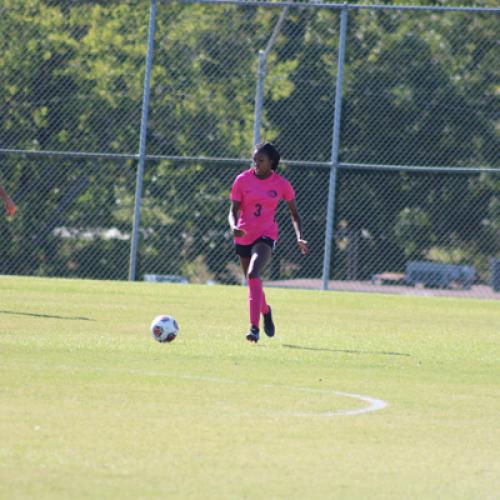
[255, 195]
[9, 205]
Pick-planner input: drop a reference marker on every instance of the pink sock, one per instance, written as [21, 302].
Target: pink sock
[254, 300]
[264, 308]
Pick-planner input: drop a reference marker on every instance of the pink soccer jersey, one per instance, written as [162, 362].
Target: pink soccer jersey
[259, 199]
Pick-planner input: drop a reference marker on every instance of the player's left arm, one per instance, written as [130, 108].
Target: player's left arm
[297, 226]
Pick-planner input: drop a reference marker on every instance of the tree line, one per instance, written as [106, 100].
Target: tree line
[420, 89]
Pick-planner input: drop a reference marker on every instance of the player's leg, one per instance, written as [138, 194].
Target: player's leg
[245, 253]
[245, 263]
[265, 309]
[261, 256]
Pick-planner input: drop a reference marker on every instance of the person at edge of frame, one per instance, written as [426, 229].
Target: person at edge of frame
[255, 195]
[9, 205]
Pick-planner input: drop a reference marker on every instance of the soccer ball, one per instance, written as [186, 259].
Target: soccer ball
[164, 328]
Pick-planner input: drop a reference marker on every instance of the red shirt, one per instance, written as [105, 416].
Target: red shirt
[259, 199]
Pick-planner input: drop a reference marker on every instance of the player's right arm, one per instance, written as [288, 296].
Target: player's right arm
[9, 205]
[234, 213]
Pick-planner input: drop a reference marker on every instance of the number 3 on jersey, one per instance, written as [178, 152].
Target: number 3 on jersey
[258, 210]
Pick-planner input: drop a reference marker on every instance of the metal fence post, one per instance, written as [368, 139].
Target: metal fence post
[261, 75]
[259, 97]
[330, 213]
[142, 144]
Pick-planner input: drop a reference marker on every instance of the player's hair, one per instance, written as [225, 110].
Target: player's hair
[271, 152]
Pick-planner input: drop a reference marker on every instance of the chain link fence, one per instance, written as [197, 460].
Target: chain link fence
[416, 190]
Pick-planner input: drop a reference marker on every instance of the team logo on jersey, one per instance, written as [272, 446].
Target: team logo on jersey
[272, 193]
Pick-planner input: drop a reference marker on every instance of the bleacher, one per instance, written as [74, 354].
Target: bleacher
[437, 275]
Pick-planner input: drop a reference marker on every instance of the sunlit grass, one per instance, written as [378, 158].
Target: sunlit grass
[91, 406]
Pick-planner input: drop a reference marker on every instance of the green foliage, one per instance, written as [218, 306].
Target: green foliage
[420, 89]
[412, 231]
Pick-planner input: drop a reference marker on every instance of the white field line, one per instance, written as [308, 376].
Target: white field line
[373, 404]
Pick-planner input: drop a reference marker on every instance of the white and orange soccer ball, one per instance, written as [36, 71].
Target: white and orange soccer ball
[164, 328]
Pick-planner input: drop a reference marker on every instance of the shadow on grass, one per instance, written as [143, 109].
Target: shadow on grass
[350, 351]
[34, 315]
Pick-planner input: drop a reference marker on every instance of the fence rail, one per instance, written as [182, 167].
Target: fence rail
[387, 117]
[350, 6]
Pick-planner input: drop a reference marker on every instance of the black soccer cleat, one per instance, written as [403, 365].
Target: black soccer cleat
[253, 334]
[268, 323]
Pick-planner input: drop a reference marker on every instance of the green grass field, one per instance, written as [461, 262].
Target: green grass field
[92, 407]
